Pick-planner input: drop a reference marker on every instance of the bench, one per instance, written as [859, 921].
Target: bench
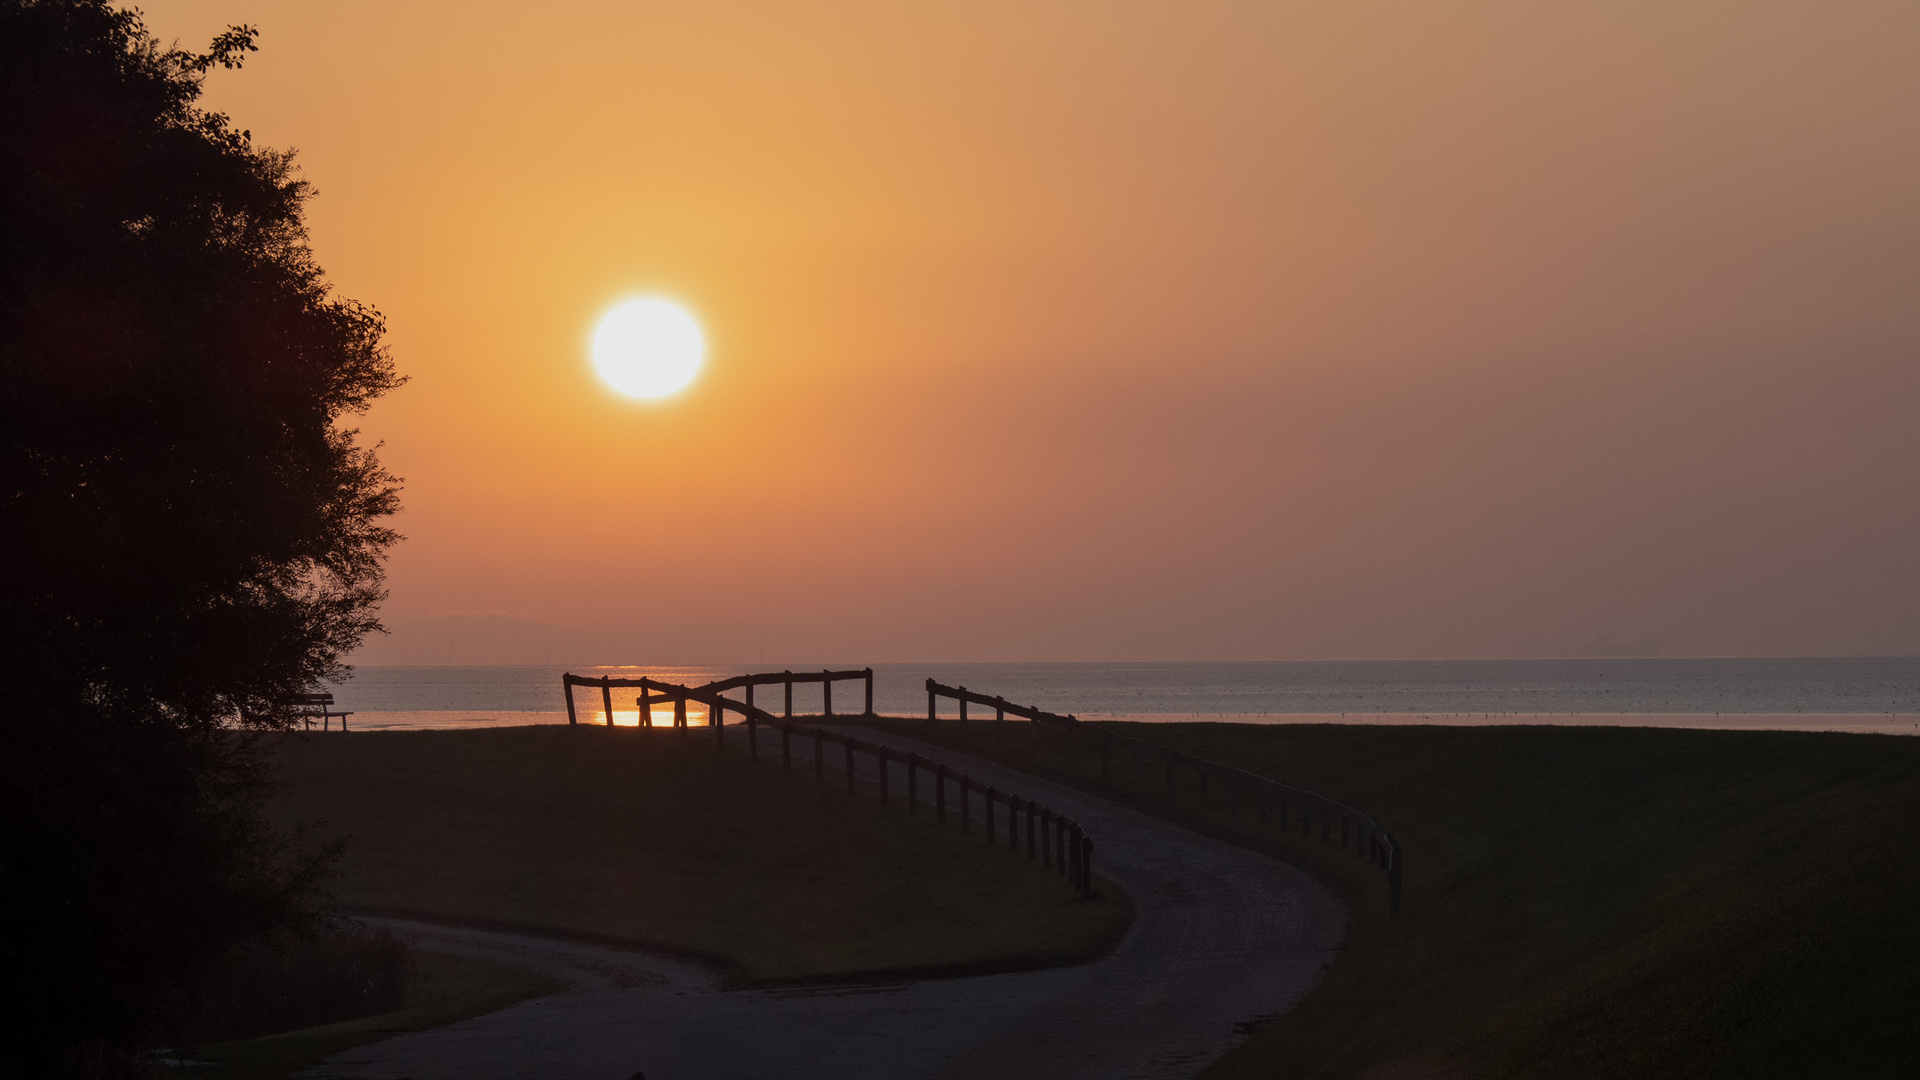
[319, 706]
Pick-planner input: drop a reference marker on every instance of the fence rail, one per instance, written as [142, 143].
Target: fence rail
[1357, 831]
[826, 679]
[1055, 840]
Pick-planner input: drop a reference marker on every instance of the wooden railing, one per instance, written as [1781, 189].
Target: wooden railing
[1056, 840]
[826, 679]
[1357, 831]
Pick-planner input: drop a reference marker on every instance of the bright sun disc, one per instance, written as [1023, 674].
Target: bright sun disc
[648, 348]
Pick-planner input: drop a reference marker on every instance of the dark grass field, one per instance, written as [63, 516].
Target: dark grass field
[440, 990]
[1580, 902]
[659, 839]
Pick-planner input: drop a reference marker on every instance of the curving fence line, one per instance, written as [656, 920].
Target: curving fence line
[1356, 830]
[1055, 840]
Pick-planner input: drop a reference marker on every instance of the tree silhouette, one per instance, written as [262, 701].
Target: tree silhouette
[191, 534]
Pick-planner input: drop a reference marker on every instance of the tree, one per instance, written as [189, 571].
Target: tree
[191, 535]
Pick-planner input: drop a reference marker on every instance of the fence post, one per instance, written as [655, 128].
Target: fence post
[717, 718]
[749, 697]
[999, 716]
[789, 675]
[880, 755]
[753, 736]
[680, 713]
[606, 697]
[826, 691]
[566, 682]
[786, 747]
[933, 707]
[869, 711]
[963, 704]
[940, 794]
[645, 705]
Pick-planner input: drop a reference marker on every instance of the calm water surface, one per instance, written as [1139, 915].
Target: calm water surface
[1440, 690]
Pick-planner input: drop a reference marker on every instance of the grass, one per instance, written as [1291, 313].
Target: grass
[1580, 902]
[658, 839]
[440, 990]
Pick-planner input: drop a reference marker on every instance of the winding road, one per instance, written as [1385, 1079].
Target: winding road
[1224, 938]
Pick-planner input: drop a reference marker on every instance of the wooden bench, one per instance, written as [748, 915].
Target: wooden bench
[319, 706]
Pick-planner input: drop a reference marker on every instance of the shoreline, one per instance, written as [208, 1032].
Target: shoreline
[1858, 723]
[1855, 723]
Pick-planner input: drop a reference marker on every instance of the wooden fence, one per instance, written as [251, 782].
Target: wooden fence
[826, 679]
[1272, 800]
[1056, 840]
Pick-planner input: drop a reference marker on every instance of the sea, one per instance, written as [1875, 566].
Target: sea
[1862, 694]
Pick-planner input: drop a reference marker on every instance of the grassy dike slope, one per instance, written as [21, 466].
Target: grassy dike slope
[1580, 902]
[661, 839]
[440, 990]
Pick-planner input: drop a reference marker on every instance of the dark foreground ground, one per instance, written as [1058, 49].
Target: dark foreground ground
[654, 840]
[1580, 902]
[658, 839]
[1224, 936]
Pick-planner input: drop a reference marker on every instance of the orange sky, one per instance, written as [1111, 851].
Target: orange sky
[1128, 330]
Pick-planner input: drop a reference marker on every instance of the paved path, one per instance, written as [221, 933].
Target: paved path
[1223, 937]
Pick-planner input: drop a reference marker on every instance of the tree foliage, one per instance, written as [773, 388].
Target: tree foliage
[192, 535]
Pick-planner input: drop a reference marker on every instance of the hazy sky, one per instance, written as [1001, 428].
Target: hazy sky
[1128, 330]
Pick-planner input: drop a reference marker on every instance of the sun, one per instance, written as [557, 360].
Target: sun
[648, 348]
